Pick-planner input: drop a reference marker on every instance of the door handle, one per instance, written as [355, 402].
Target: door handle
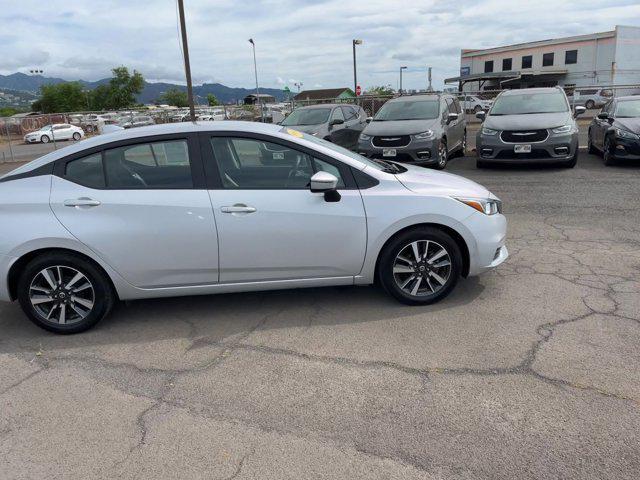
[238, 208]
[81, 202]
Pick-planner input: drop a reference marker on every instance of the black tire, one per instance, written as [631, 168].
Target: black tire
[590, 105]
[482, 164]
[77, 136]
[45, 139]
[403, 240]
[607, 156]
[590, 148]
[443, 155]
[462, 151]
[102, 295]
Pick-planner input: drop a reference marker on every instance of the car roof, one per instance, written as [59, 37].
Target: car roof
[326, 105]
[417, 98]
[508, 93]
[276, 131]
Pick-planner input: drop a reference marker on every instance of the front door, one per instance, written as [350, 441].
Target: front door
[270, 226]
[143, 208]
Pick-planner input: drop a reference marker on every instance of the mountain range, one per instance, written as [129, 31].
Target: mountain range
[150, 93]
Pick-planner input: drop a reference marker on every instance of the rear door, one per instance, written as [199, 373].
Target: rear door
[270, 225]
[142, 206]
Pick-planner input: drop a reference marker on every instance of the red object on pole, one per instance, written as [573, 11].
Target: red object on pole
[358, 90]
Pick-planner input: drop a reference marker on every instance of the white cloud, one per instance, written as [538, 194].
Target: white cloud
[299, 40]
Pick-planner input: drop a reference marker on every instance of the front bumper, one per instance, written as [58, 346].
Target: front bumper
[556, 148]
[490, 234]
[31, 140]
[417, 152]
[625, 148]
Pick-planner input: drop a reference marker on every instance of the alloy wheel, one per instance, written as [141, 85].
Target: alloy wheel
[442, 154]
[422, 268]
[62, 295]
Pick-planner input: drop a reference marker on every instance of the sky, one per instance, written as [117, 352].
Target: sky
[296, 41]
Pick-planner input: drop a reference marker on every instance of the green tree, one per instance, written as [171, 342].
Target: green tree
[61, 97]
[380, 90]
[212, 100]
[175, 97]
[123, 88]
[8, 111]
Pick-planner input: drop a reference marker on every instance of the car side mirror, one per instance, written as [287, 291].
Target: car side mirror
[452, 117]
[325, 182]
[369, 119]
[579, 110]
[603, 115]
[481, 115]
[336, 121]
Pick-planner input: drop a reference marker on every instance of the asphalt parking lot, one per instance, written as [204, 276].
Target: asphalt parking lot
[527, 372]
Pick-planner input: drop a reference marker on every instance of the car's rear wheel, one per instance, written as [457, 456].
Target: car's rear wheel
[420, 266]
[64, 293]
[607, 154]
[77, 136]
[45, 139]
[443, 154]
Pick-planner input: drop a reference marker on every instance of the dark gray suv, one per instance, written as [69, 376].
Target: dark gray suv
[417, 129]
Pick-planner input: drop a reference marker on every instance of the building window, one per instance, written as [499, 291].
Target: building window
[571, 56]
[527, 61]
[488, 66]
[506, 64]
[547, 60]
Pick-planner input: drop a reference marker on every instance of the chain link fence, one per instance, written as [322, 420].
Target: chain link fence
[13, 147]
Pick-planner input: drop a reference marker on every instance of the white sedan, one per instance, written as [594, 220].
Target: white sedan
[55, 132]
[204, 208]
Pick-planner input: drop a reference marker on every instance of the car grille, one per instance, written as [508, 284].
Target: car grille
[400, 157]
[391, 141]
[524, 136]
[536, 153]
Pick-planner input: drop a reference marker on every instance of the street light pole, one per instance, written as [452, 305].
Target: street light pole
[400, 89]
[355, 74]
[187, 66]
[255, 68]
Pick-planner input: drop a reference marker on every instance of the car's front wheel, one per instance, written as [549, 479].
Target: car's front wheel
[443, 155]
[44, 139]
[77, 136]
[420, 266]
[590, 147]
[64, 293]
[607, 153]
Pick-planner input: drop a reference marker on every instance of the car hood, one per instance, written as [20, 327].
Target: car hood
[631, 124]
[433, 182]
[525, 122]
[399, 127]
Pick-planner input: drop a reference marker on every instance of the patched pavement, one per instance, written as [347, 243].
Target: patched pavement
[527, 372]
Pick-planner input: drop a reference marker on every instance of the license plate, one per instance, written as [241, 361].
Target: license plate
[389, 152]
[522, 148]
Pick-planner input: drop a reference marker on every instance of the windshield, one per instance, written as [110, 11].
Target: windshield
[381, 165]
[529, 103]
[308, 116]
[408, 110]
[629, 108]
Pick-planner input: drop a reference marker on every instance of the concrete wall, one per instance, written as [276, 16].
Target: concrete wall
[627, 56]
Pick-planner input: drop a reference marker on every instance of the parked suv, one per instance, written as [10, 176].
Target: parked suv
[337, 123]
[419, 129]
[530, 125]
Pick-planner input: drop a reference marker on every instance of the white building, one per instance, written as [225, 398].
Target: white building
[606, 58]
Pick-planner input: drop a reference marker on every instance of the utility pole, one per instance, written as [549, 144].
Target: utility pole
[429, 87]
[255, 68]
[187, 66]
[355, 74]
[400, 89]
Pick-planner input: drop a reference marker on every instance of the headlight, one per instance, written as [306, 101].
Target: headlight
[562, 130]
[424, 135]
[364, 137]
[624, 134]
[489, 131]
[488, 206]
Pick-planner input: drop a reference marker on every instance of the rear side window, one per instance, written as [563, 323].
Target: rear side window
[154, 165]
[86, 171]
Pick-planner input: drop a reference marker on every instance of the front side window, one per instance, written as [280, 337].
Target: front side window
[337, 114]
[161, 165]
[529, 103]
[547, 60]
[350, 113]
[247, 163]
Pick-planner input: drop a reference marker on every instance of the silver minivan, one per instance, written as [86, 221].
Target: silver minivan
[418, 129]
